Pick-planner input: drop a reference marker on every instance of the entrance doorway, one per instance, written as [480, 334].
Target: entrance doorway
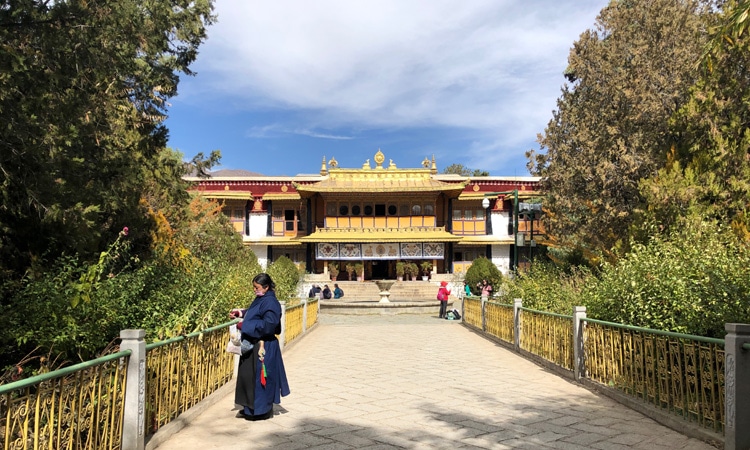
[379, 270]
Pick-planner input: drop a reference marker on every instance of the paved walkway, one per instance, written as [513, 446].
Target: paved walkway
[418, 382]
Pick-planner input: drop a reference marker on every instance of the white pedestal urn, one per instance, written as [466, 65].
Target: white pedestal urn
[384, 286]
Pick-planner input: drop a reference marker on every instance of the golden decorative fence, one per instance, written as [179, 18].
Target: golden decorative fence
[183, 371]
[473, 312]
[293, 322]
[499, 321]
[548, 335]
[683, 374]
[78, 407]
[312, 313]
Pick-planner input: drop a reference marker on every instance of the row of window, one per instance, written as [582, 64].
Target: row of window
[344, 209]
[468, 214]
[357, 209]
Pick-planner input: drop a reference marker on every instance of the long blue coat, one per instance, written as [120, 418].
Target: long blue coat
[262, 321]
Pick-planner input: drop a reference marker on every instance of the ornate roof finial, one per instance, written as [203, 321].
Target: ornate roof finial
[366, 165]
[426, 163]
[333, 163]
[392, 165]
[323, 168]
[379, 158]
[433, 169]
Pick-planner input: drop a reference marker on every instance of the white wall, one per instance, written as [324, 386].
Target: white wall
[501, 257]
[500, 221]
[261, 251]
[258, 225]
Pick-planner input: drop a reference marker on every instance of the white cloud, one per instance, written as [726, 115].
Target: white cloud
[493, 67]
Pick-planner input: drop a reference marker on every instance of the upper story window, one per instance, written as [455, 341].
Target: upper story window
[356, 209]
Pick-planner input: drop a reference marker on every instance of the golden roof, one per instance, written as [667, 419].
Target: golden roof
[235, 195]
[381, 178]
[484, 240]
[271, 240]
[409, 234]
[281, 196]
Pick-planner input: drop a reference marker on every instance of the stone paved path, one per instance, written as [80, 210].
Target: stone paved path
[418, 382]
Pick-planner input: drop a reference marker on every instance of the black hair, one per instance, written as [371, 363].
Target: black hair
[265, 280]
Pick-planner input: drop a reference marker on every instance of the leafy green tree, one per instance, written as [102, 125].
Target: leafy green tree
[460, 169]
[628, 76]
[83, 95]
[713, 153]
[483, 269]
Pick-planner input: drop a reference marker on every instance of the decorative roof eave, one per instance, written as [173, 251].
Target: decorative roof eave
[270, 240]
[281, 196]
[381, 235]
[481, 195]
[379, 187]
[224, 195]
[485, 240]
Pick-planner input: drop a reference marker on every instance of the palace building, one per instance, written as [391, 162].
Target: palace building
[379, 214]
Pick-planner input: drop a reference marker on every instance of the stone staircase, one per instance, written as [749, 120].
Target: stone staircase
[401, 291]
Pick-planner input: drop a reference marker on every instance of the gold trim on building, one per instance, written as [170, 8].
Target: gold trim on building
[410, 234]
[280, 196]
[226, 195]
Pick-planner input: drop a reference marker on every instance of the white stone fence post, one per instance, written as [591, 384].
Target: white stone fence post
[737, 386]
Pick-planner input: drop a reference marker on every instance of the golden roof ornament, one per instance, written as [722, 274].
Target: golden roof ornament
[366, 165]
[333, 163]
[433, 169]
[323, 168]
[426, 163]
[392, 165]
[379, 158]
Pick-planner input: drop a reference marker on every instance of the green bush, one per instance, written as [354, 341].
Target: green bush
[547, 287]
[286, 275]
[483, 269]
[693, 281]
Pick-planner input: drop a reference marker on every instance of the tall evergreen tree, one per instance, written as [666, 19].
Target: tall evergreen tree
[627, 77]
[83, 91]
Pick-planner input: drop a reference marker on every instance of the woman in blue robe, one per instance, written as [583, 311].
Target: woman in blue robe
[261, 322]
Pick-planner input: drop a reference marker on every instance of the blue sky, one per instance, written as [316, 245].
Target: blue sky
[281, 84]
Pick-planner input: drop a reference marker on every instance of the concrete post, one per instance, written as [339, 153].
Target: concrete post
[304, 315]
[736, 387]
[134, 420]
[282, 336]
[517, 304]
[579, 364]
[484, 313]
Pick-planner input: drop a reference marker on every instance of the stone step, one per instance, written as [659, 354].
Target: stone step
[400, 291]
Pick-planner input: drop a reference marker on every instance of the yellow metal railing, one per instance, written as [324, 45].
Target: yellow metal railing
[473, 312]
[78, 407]
[293, 322]
[499, 321]
[683, 374]
[312, 313]
[548, 335]
[183, 371]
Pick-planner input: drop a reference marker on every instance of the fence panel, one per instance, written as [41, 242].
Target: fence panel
[680, 373]
[78, 407]
[548, 335]
[294, 315]
[178, 376]
[499, 320]
[473, 312]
